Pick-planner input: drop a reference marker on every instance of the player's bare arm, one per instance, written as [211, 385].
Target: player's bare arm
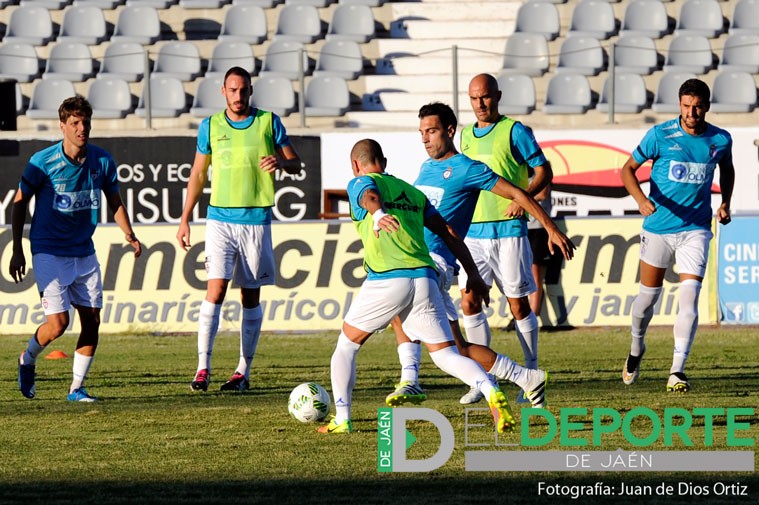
[286, 158]
[726, 184]
[18, 217]
[370, 200]
[198, 179]
[632, 185]
[122, 219]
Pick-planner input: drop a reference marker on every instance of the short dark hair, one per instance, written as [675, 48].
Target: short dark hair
[76, 105]
[695, 87]
[238, 71]
[441, 110]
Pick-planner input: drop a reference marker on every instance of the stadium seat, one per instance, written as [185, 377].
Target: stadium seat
[47, 96]
[29, 25]
[517, 94]
[526, 53]
[202, 4]
[314, 3]
[593, 18]
[581, 55]
[155, 4]
[549, 1]
[745, 17]
[227, 54]
[51, 5]
[689, 53]
[340, 58]
[351, 22]
[266, 4]
[281, 60]
[741, 53]
[103, 4]
[700, 17]
[568, 94]
[244, 23]
[299, 23]
[83, 23]
[178, 59]
[167, 98]
[125, 60]
[636, 54]
[137, 24]
[110, 98]
[19, 61]
[370, 3]
[208, 98]
[733, 92]
[667, 97]
[630, 95]
[646, 17]
[69, 60]
[538, 17]
[274, 94]
[20, 100]
[327, 96]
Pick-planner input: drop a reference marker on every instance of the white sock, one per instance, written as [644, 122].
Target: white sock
[642, 312]
[409, 355]
[33, 349]
[208, 325]
[250, 330]
[506, 368]
[81, 367]
[527, 331]
[466, 370]
[686, 323]
[477, 329]
[343, 374]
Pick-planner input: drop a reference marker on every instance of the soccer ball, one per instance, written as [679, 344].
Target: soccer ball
[309, 402]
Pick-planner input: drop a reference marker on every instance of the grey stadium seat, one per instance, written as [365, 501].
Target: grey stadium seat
[327, 96]
[538, 17]
[700, 17]
[340, 58]
[166, 95]
[208, 98]
[646, 17]
[47, 97]
[593, 18]
[741, 53]
[125, 60]
[526, 53]
[103, 4]
[110, 98]
[351, 22]
[274, 94]
[155, 4]
[281, 60]
[266, 4]
[733, 92]
[19, 61]
[689, 53]
[179, 59]
[300, 23]
[581, 55]
[137, 24]
[202, 4]
[666, 98]
[517, 94]
[568, 94]
[630, 95]
[29, 25]
[83, 23]
[52, 5]
[230, 53]
[636, 54]
[69, 60]
[314, 3]
[745, 17]
[370, 3]
[244, 23]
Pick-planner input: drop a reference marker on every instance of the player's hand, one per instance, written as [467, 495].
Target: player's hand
[647, 207]
[134, 242]
[514, 210]
[387, 223]
[269, 164]
[478, 287]
[18, 266]
[557, 239]
[723, 214]
[183, 236]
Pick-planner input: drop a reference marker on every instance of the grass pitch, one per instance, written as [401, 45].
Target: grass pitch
[152, 440]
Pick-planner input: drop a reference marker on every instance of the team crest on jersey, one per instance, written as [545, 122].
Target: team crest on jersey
[94, 173]
[447, 173]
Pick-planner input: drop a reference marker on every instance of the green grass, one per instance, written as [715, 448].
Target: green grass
[152, 440]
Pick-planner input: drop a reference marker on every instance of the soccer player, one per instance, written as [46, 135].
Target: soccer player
[390, 216]
[68, 181]
[452, 182]
[677, 219]
[498, 235]
[245, 146]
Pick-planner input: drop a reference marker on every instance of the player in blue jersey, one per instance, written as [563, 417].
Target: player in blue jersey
[390, 216]
[246, 146]
[68, 181]
[452, 183]
[677, 219]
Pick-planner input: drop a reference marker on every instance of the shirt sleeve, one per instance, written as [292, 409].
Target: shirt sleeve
[111, 184]
[524, 146]
[203, 145]
[647, 149]
[480, 176]
[356, 189]
[429, 210]
[280, 133]
[33, 177]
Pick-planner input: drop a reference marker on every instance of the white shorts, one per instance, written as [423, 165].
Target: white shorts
[416, 301]
[244, 250]
[64, 281]
[689, 249]
[445, 281]
[506, 261]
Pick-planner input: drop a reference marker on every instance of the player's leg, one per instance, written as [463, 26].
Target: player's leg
[408, 389]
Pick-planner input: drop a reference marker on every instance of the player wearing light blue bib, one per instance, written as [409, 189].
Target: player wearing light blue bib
[677, 220]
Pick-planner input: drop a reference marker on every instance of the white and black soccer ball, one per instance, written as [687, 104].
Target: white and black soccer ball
[309, 402]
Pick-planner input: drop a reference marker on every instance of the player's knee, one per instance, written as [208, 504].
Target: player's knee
[471, 306]
[646, 300]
